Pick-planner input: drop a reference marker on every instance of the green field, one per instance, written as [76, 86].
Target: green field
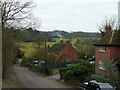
[73, 40]
[30, 48]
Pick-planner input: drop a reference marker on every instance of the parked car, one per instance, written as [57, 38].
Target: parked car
[35, 63]
[68, 65]
[94, 85]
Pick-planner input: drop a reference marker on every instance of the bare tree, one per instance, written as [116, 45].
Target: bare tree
[13, 12]
[112, 21]
[35, 23]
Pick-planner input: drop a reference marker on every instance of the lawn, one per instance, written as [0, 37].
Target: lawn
[29, 48]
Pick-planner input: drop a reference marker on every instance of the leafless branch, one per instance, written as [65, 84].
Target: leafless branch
[15, 11]
[112, 21]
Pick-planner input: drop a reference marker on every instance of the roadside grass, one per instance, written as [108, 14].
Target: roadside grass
[55, 70]
[12, 83]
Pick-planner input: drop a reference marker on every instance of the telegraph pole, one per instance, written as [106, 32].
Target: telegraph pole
[45, 55]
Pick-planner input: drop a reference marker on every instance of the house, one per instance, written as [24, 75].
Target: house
[64, 51]
[108, 47]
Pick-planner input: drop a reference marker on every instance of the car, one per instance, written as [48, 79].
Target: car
[94, 85]
[68, 65]
[36, 63]
[100, 86]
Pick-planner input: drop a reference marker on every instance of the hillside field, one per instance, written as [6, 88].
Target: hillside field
[29, 48]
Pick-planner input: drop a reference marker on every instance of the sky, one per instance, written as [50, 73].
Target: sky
[73, 15]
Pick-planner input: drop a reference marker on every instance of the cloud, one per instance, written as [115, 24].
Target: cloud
[76, 0]
[72, 15]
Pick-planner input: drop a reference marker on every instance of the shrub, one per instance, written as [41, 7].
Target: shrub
[46, 69]
[64, 70]
[109, 75]
[80, 72]
[25, 62]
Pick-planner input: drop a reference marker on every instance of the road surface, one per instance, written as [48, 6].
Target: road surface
[32, 80]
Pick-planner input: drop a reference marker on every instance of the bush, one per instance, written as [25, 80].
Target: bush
[117, 62]
[80, 72]
[109, 75]
[25, 62]
[46, 69]
[64, 70]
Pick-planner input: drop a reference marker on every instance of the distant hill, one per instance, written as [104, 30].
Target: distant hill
[29, 34]
[74, 34]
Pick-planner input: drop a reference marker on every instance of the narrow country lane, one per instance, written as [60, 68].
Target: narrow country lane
[32, 80]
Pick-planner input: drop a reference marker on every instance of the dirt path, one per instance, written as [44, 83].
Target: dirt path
[32, 80]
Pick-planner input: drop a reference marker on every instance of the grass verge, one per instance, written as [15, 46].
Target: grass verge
[12, 83]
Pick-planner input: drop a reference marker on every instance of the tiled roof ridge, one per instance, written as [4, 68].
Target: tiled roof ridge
[112, 36]
[57, 47]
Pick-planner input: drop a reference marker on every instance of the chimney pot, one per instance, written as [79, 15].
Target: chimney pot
[61, 41]
[48, 46]
[108, 29]
[67, 41]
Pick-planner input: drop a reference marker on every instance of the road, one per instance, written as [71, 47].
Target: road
[32, 80]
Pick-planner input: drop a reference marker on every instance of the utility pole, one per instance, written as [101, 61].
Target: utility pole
[45, 55]
[45, 52]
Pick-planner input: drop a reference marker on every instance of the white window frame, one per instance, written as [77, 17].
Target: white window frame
[102, 49]
[101, 65]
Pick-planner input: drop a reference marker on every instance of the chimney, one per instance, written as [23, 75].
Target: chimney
[61, 41]
[108, 29]
[48, 46]
[67, 41]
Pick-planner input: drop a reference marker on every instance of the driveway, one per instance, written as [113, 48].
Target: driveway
[32, 80]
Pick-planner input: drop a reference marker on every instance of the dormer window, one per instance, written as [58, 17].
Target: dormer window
[102, 49]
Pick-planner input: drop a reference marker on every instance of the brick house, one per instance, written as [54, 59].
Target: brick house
[108, 47]
[64, 51]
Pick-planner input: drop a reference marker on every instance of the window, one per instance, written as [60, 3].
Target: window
[102, 49]
[101, 65]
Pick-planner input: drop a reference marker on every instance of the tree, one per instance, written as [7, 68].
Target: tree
[12, 13]
[112, 21]
[85, 46]
[51, 57]
[8, 54]
[116, 60]
[39, 39]
[110, 73]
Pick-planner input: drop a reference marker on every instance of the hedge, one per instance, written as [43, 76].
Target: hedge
[80, 72]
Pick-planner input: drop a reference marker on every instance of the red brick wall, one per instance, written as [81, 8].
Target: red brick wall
[70, 51]
[111, 52]
[101, 55]
[114, 52]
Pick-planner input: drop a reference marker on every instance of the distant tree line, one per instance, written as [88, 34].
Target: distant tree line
[30, 34]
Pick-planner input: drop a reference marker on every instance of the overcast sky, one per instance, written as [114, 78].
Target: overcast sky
[73, 15]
